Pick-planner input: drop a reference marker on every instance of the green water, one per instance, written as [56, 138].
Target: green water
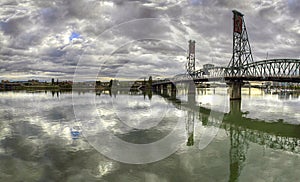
[256, 139]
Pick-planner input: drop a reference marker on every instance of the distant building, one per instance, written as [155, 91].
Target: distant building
[11, 86]
[33, 82]
[4, 81]
[283, 84]
[206, 68]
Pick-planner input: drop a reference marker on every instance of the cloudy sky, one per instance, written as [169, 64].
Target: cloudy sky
[129, 38]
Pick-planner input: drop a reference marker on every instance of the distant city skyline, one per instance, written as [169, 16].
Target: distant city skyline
[134, 39]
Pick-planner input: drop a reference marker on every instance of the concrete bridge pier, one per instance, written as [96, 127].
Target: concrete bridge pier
[173, 90]
[165, 89]
[235, 108]
[155, 88]
[249, 89]
[235, 89]
[158, 87]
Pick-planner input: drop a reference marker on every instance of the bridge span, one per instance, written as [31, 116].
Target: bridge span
[241, 67]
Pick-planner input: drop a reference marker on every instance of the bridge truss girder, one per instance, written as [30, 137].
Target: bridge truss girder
[282, 70]
[274, 68]
[190, 66]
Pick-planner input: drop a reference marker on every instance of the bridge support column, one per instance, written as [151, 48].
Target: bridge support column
[249, 89]
[235, 90]
[165, 89]
[155, 88]
[158, 89]
[235, 108]
[173, 90]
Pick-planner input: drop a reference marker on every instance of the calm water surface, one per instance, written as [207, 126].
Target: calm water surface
[257, 139]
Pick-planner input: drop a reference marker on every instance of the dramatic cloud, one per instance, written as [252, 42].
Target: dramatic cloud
[44, 39]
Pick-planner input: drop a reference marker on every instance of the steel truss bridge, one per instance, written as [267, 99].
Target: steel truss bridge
[241, 66]
[242, 130]
[280, 70]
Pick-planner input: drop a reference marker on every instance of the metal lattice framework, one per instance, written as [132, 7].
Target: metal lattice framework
[274, 68]
[266, 70]
[241, 54]
[242, 66]
[282, 70]
[191, 58]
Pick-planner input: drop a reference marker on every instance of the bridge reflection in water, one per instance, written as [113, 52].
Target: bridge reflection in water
[242, 130]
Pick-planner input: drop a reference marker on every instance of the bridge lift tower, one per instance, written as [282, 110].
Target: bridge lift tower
[241, 55]
[190, 67]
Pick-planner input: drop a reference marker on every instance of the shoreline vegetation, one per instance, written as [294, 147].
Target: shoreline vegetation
[132, 88]
[36, 85]
[142, 85]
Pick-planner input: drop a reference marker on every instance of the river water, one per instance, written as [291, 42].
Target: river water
[58, 136]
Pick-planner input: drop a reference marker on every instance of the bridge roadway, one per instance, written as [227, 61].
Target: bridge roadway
[275, 135]
[294, 79]
[279, 70]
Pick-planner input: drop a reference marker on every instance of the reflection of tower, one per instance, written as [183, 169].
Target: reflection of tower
[191, 58]
[149, 94]
[191, 113]
[190, 128]
[235, 109]
[191, 93]
[238, 150]
[239, 145]
[98, 92]
[55, 92]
